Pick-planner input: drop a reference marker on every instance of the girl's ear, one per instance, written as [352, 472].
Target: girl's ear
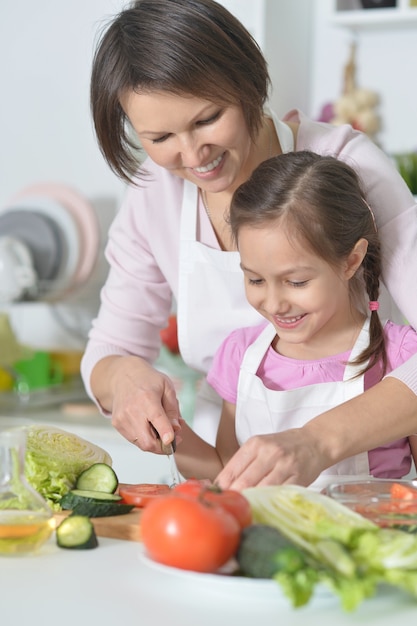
[355, 258]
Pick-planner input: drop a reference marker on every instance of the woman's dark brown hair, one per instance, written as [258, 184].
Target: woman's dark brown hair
[184, 47]
[319, 200]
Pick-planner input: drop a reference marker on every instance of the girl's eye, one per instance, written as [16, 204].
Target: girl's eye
[301, 283]
[255, 281]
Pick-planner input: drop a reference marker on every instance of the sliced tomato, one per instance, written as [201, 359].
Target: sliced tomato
[403, 492]
[141, 494]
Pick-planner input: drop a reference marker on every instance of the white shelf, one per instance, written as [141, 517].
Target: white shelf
[347, 15]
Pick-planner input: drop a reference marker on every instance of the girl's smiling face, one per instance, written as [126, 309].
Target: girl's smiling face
[206, 143]
[306, 299]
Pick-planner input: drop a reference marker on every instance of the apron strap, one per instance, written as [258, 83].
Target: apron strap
[188, 227]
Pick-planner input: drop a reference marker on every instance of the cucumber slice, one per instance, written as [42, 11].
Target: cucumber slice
[98, 477]
[101, 509]
[76, 532]
[94, 503]
[74, 497]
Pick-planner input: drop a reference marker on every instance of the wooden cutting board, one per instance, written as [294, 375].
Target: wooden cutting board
[116, 527]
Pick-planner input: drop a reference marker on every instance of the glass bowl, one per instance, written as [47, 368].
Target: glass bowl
[386, 502]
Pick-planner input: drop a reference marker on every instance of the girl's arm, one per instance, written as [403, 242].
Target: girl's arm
[196, 458]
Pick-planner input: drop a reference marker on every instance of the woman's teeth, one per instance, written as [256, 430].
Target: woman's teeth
[211, 166]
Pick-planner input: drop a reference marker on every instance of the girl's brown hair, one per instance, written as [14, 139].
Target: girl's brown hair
[184, 47]
[320, 200]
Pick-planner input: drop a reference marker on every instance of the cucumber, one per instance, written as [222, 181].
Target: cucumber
[76, 532]
[98, 477]
[94, 503]
[263, 551]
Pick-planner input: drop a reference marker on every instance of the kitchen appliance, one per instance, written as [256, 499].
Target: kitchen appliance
[51, 266]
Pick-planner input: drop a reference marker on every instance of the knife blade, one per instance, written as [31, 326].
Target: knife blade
[169, 450]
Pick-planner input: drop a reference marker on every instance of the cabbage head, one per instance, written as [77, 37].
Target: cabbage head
[55, 458]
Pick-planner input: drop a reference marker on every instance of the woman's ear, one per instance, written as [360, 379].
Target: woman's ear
[355, 258]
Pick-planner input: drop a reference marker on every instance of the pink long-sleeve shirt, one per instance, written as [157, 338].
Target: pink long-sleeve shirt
[143, 247]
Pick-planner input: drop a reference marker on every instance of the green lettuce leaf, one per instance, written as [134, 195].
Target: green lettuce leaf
[55, 458]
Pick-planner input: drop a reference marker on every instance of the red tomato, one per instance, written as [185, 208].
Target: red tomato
[232, 501]
[141, 494]
[169, 335]
[183, 532]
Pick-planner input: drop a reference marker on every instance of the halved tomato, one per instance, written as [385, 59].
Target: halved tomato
[142, 493]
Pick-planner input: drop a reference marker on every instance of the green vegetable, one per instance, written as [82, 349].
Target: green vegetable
[98, 477]
[347, 552]
[94, 503]
[76, 532]
[264, 550]
[55, 458]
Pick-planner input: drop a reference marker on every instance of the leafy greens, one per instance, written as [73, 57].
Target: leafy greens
[344, 551]
[55, 458]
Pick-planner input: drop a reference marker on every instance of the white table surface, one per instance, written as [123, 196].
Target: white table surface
[112, 585]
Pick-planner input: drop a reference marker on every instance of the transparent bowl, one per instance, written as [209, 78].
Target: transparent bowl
[388, 503]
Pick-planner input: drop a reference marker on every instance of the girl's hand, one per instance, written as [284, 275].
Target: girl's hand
[137, 395]
[286, 457]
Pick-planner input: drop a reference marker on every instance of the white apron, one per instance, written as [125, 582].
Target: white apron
[211, 300]
[260, 410]
[211, 303]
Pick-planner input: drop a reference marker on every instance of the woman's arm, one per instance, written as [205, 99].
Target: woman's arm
[384, 413]
[137, 395]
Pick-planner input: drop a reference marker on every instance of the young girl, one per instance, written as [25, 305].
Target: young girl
[311, 259]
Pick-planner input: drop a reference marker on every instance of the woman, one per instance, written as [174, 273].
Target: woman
[184, 80]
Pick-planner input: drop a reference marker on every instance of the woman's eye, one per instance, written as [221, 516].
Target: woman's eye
[160, 139]
[210, 120]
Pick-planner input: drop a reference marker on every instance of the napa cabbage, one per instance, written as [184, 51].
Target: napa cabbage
[346, 552]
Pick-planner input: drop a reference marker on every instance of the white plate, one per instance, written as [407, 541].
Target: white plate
[225, 582]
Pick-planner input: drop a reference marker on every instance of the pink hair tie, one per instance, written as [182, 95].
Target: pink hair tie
[373, 305]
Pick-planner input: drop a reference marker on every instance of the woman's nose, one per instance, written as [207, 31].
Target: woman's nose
[190, 149]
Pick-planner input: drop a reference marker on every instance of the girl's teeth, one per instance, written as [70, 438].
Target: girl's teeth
[211, 166]
[290, 321]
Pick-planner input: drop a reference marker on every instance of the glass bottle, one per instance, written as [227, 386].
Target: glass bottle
[26, 520]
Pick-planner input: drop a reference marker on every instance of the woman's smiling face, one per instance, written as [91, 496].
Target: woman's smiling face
[198, 140]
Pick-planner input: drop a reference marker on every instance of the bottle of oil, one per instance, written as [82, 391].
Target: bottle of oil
[26, 520]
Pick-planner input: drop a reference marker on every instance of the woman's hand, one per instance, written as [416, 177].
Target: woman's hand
[137, 395]
[286, 457]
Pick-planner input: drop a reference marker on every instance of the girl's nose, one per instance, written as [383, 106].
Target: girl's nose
[275, 303]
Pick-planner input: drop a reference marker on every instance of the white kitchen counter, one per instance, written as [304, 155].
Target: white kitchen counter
[112, 586]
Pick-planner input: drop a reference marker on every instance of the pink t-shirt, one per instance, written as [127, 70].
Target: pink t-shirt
[282, 373]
